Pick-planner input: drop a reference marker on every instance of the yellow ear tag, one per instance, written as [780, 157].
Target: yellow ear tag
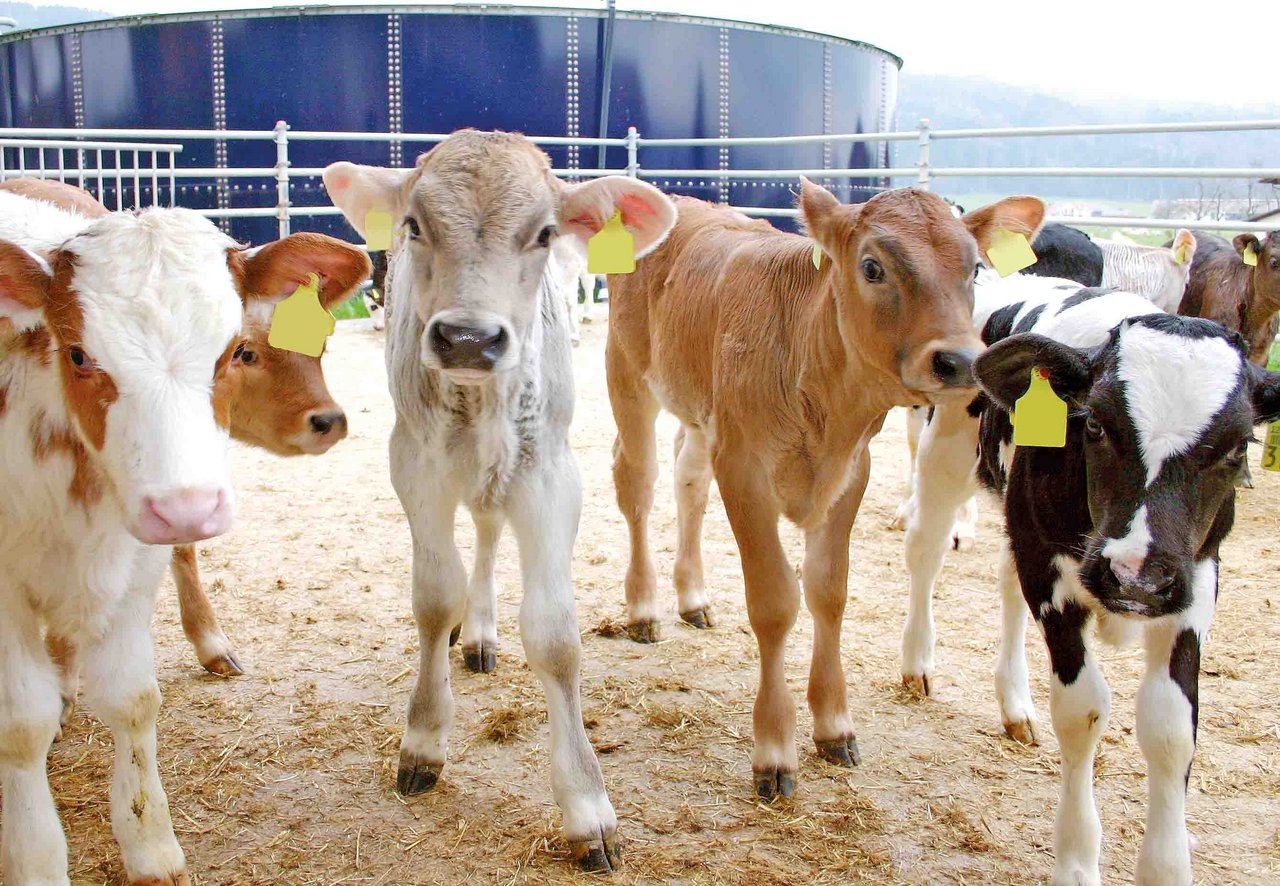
[817, 256]
[1010, 252]
[1040, 417]
[1250, 257]
[377, 230]
[612, 250]
[299, 323]
[1271, 446]
[1180, 254]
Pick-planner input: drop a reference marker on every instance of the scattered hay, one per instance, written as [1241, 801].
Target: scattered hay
[610, 627]
[509, 722]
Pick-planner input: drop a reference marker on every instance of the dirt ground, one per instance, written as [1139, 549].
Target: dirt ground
[286, 775]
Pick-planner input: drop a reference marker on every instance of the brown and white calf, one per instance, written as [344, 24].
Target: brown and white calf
[116, 372]
[780, 375]
[1243, 298]
[480, 370]
[279, 403]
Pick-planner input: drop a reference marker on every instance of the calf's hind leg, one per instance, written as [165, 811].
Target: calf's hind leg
[693, 479]
[635, 468]
[480, 628]
[544, 508]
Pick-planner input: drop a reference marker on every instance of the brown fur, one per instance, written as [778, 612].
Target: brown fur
[48, 439]
[1223, 288]
[781, 374]
[61, 195]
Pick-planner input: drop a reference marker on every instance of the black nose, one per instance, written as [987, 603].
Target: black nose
[324, 422]
[468, 347]
[954, 368]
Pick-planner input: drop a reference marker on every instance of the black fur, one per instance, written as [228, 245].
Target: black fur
[1065, 252]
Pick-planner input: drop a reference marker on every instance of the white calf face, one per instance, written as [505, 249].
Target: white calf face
[144, 312]
[477, 217]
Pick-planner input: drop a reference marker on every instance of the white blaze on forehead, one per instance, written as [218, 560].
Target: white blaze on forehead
[1174, 386]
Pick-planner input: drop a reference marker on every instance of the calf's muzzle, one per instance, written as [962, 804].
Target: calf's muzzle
[468, 347]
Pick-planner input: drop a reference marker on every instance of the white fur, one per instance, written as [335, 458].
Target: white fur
[1130, 552]
[160, 307]
[1149, 271]
[1169, 418]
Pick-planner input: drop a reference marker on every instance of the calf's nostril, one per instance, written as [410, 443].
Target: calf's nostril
[324, 422]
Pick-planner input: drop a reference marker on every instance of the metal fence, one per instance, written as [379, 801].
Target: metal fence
[90, 169]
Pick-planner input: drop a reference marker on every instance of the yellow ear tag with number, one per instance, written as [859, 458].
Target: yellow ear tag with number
[1180, 254]
[1271, 446]
[817, 256]
[1039, 417]
[612, 250]
[1250, 257]
[1010, 252]
[299, 323]
[377, 230]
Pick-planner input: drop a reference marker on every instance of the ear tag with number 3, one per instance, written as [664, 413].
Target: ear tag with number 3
[299, 323]
[1040, 417]
[1010, 252]
[612, 250]
[1249, 256]
[1271, 446]
[377, 230]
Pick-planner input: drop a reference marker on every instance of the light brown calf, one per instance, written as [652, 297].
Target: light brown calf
[280, 403]
[780, 375]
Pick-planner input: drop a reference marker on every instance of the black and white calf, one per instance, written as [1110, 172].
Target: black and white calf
[1120, 528]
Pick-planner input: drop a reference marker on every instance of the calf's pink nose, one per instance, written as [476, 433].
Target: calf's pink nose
[1126, 568]
[185, 516]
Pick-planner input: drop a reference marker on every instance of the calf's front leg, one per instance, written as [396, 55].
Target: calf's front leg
[439, 597]
[826, 588]
[544, 507]
[693, 480]
[1079, 705]
[31, 840]
[120, 687]
[480, 628]
[773, 601]
[1168, 711]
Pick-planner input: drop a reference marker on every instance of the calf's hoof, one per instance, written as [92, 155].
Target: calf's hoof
[68, 708]
[416, 776]
[699, 618]
[1021, 731]
[644, 631]
[482, 659]
[918, 684]
[598, 855]
[840, 751]
[962, 543]
[454, 635]
[772, 783]
[179, 879]
[224, 665]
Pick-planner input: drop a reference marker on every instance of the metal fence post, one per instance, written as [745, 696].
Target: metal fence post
[282, 177]
[633, 152]
[922, 155]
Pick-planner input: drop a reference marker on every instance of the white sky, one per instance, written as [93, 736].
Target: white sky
[1121, 48]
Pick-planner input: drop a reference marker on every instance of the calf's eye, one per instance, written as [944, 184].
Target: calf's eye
[1093, 428]
[545, 235]
[411, 227]
[79, 359]
[872, 270]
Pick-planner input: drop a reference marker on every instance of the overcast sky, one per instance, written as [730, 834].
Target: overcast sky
[1121, 48]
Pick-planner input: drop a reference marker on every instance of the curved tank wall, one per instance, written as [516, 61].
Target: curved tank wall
[435, 69]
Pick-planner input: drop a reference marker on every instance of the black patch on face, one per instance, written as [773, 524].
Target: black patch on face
[977, 405]
[1184, 669]
[1084, 295]
[1027, 323]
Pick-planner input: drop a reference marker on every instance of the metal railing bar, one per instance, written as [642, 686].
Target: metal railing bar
[1109, 129]
[59, 143]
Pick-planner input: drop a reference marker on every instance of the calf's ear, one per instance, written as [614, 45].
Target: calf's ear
[358, 190]
[1004, 369]
[1021, 215]
[826, 219]
[1244, 241]
[1265, 394]
[646, 212]
[272, 272]
[24, 286]
[1186, 241]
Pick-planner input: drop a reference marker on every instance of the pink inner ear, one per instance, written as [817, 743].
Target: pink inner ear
[586, 222]
[635, 210]
[341, 182]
